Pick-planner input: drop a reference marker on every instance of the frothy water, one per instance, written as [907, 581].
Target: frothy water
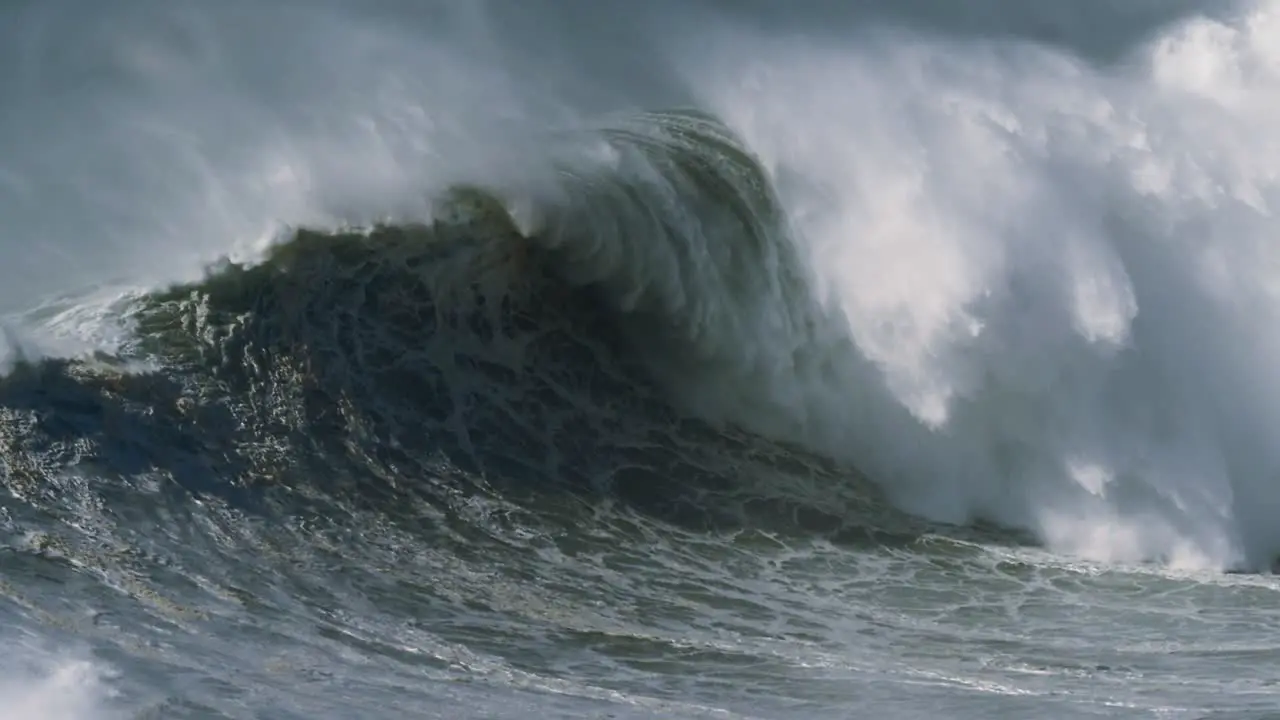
[65, 689]
[1055, 276]
[685, 360]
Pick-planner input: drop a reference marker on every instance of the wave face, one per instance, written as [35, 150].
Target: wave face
[404, 350]
[468, 357]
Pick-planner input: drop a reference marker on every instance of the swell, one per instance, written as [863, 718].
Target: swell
[468, 357]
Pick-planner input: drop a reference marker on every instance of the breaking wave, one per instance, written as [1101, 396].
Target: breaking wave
[1006, 285]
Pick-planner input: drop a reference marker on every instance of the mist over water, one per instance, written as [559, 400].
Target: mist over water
[1014, 262]
[1047, 264]
[174, 126]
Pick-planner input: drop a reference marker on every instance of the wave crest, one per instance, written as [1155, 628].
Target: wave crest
[473, 355]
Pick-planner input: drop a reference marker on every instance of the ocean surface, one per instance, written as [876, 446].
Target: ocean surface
[724, 359]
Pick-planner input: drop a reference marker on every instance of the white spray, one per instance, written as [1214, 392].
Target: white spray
[1046, 284]
[1060, 279]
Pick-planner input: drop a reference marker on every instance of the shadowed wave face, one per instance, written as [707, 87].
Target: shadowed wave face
[437, 361]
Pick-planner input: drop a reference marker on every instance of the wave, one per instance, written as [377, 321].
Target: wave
[461, 358]
[1006, 283]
